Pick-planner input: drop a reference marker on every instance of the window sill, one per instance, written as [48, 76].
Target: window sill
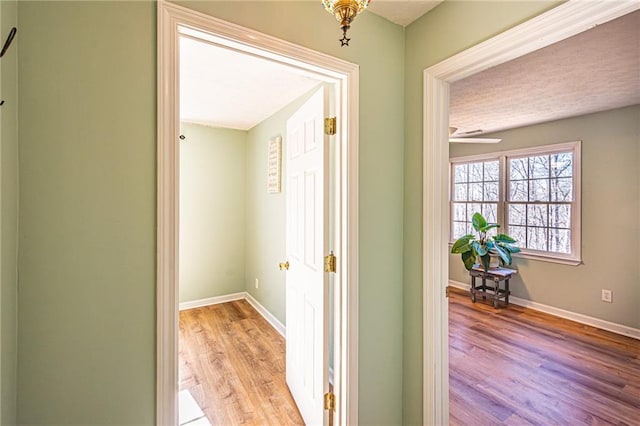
[548, 258]
[542, 257]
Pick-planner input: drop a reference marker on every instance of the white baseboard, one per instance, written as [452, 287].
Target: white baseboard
[573, 316]
[271, 319]
[212, 301]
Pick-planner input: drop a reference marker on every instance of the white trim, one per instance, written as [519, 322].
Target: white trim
[199, 303]
[520, 152]
[167, 226]
[345, 75]
[563, 21]
[562, 313]
[271, 319]
[435, 257]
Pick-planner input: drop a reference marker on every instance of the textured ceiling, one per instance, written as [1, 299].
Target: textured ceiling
[596, 70]
[221, 88]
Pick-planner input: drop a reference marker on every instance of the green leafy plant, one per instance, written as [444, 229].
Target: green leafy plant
[483, 246]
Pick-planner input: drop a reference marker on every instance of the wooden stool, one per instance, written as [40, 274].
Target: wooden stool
[494, 275]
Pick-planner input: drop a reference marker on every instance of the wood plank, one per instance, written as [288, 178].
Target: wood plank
[233, 363]
[518, 366]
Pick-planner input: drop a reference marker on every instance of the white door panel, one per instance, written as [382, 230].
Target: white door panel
[307, 295]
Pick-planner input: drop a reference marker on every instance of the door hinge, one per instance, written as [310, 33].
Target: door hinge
[330, 401]
[330, 262]
[446, 291]
[330, 126]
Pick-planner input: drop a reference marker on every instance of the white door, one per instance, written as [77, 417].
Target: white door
[307, 290]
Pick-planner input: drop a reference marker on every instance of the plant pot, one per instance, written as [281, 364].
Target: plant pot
[494, 261]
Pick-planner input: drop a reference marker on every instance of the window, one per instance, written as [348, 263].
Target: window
[475, 189]
[533, 193]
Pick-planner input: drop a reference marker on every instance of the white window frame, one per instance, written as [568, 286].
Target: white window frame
[573, 258]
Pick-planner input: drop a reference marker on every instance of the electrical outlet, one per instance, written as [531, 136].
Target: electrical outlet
[257, 283]
[607, 296]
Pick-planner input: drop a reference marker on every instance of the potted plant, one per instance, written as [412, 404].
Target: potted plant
[481, 248]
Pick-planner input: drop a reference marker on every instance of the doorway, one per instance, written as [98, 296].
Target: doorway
[174, 21]
[561, 22]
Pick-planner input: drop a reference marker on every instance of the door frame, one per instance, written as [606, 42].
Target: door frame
[345, 75]
[559, 23]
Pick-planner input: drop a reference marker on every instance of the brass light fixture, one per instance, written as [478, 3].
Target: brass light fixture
[345, 12]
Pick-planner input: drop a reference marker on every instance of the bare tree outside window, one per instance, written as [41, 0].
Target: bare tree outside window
[532, 192]
[476, 188]
[540, 197]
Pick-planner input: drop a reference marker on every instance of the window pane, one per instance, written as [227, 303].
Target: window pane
[459, 211]
[562, 189]
[539, 167]
[491, 191]
[560, 240]
[537, 214]
[459, 229]
[475, 172]
[518, 191]
[539, 190]
[562, 165]
[518, 169]
[560, 215]
[475, 191]
[460, 192]
[517, 214]
[460, 173]
[490, 212]
[537, 238]
[473, 208]
[492, 171]
[518, 233]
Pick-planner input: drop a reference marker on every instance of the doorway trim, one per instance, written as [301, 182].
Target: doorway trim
[171, 18]
[559, 23]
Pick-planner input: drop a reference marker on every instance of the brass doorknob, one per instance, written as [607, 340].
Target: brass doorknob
[284, 266]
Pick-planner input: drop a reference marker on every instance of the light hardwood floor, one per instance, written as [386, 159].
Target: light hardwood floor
[233, 363]
[517, 366]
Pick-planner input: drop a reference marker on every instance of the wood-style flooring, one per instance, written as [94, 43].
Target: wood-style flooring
[517, 366]
[233, 364]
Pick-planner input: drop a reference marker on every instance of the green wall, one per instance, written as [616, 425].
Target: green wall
[610, 213]
[87, 260]
[448, 29]
[88, 197]
[266, 214]
[212, 212]
[8, 215]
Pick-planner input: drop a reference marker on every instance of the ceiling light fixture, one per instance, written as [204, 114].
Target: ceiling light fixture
[345, 12]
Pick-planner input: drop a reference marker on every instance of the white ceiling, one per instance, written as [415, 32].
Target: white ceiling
[221, 88]
[401, 12]
[593, 71]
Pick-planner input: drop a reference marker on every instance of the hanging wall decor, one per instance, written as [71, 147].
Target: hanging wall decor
[274, 167]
